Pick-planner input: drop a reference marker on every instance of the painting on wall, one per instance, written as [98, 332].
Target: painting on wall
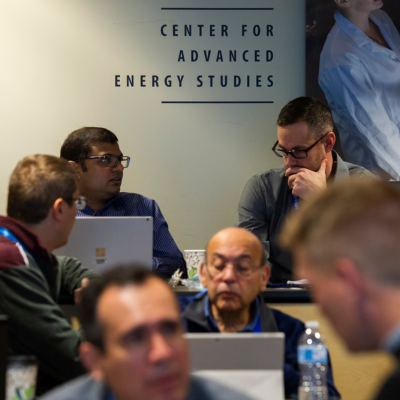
[353, 66]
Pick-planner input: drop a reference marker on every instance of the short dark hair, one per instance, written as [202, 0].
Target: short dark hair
[316, 115]
[87, 309]
[36, 183]
[78, 143]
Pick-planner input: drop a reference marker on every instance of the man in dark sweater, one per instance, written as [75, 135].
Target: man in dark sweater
[235, 273]
[305, 143]
[42, 203]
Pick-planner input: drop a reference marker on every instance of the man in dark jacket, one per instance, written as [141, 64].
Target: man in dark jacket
[42, 203]
[346, 242]
[235, 273]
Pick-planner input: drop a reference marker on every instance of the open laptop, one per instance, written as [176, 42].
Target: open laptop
[251, 363]
[101, 243]
[3, 354]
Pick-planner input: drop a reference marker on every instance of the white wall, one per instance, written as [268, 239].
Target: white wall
[58, 64]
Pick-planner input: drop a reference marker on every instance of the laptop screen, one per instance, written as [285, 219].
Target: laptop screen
[100, 243]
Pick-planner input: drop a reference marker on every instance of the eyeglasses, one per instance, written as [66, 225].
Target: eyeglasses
[295, 153]
[80, 202]
[242, 266]
[110, 160]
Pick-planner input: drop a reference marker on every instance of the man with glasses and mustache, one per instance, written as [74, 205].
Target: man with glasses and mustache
[96, 156]
[305, 142]
[43, 198]
[234, 273]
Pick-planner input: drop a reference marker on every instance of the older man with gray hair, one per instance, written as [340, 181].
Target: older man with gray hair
[235, 272]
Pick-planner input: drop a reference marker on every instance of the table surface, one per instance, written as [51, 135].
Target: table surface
[271, 295]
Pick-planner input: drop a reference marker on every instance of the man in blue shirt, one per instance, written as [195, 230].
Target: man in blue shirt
[235, 273]
[100, 164]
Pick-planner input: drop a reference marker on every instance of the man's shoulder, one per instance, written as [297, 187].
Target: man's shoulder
[205, 389]
[82, 388]
[346, 169]
[287, 323]
[271, 178]
[194, 316]
[135, 200]
[273, 173]
[11, 254]
[391, 388]
[358, 171]
[133, 196]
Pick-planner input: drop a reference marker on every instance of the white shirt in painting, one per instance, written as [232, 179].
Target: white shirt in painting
[361, 81]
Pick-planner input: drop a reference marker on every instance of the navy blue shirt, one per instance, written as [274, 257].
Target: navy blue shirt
[254, 325]
[167, 258]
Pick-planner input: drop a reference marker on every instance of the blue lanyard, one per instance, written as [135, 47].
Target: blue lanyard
[295, 201]
[7, 234]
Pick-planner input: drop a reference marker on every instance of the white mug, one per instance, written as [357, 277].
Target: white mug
[193, 259]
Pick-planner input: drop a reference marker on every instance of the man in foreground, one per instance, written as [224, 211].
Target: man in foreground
[233, 302]
[135, 349]
[347, 244]
[42, 203]
[305, 141]
[96, 156]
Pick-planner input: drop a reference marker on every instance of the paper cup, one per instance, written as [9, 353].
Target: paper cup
[193, 259]
[21, 378]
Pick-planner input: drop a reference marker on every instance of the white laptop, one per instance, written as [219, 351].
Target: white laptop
[251, 363]
[101, 243]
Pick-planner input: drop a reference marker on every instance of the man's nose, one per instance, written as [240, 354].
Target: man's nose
[160, 349]
[290, 161]
[229, 274]
[119, 167]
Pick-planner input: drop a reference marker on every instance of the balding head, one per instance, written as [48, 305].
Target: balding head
[235, 237]
[235, 270]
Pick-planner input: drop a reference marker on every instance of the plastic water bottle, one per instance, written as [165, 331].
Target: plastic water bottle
[313, 361]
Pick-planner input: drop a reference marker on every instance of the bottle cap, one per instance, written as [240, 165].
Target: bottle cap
[312, 324]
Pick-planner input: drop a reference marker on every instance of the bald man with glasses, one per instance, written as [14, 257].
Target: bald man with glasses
[234, 274]
[305, 142]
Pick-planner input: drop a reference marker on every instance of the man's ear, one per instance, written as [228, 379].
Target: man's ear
[343, 3]
[57, 209]
[77, 166]
[203, 274]
[330, 141]
[348, 273]
[265, 275]
[90, 357]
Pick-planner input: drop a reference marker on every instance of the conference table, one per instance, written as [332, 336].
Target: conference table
[270, 295]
